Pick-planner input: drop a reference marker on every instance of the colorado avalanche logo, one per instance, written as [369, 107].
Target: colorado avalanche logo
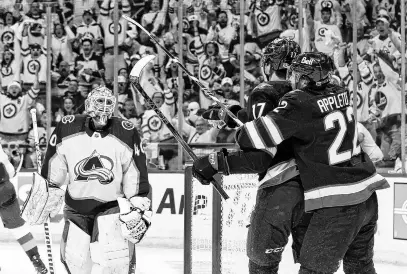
[95, 167]
[127, 125]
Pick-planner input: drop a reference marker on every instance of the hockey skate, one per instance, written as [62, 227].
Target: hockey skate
[38, 265]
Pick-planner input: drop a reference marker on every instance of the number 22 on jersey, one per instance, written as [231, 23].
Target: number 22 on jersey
[334, 156]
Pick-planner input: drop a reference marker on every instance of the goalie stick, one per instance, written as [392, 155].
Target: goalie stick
[135, 81]
[47, 232]
[193, 78]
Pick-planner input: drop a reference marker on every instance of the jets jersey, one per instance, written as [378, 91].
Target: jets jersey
[152, 127]
[14, 117]
[101, 165]
[321, 42]
[273, 169]
[269, 19]
[28, 68]
[9, 73]
[333, 169]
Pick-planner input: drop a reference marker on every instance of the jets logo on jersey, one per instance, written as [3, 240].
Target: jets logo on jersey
[7, 37]
[95, 167]
[321, 31]
[206, 72]
[68, 119]
[6, 71]
[9, 110]
[327, 4]
[263, 19]
[185, 25]
[381, 100]
[191, 47]
[359, 99]
[154, 123]
[111, 28]
[293, 20]
[127, 125]
[33, 65]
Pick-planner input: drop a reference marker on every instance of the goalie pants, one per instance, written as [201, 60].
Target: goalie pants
[72, 241]
[279, 211]
[341, 233]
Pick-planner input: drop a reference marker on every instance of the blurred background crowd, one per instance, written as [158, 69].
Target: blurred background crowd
[82, 57]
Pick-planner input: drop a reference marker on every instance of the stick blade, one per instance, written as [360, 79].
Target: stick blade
[139, 66]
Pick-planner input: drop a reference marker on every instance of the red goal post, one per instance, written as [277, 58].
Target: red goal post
[214, 233]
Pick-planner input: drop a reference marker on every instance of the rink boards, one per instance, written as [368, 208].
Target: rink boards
[168, 222]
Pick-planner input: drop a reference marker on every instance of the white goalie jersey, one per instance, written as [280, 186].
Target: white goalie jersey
[101, 165]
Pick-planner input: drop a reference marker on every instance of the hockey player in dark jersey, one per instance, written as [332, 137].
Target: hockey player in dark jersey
[280, 200]
[10, 214]
[339, 179]
[107, 205]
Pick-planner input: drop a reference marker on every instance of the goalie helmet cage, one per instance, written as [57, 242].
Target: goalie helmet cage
[214, 235]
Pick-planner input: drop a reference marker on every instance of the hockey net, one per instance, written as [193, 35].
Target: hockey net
[216, 231]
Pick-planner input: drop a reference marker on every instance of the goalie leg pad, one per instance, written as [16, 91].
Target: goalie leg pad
[9, 207]
[109, 249]
[75, 253]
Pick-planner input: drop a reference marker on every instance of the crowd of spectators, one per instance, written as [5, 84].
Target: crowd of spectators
[82, 44]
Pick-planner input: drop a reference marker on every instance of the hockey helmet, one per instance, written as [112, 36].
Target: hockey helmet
[279, 54]
[100, 105]
[310, 69]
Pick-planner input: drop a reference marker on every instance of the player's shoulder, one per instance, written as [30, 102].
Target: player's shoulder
[296, 95]
[271, 86]
[71, 124]
[270, 90]
[123, 129]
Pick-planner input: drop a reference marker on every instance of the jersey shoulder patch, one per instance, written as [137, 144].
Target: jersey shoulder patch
[124, 130]
[70, 124]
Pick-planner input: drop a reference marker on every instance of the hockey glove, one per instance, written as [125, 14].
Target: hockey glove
[206, 167]
[41, 202]
[216, 113]
[135, 217]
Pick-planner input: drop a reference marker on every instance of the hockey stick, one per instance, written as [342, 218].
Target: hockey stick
[193, 78]
[47, 232]
[135, 81]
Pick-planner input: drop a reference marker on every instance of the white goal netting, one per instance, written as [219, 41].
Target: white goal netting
[218, 230]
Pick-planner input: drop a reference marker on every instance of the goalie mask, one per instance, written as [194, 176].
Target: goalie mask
[100, 105]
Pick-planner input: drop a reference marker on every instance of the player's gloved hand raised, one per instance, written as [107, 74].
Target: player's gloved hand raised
[216, 113]
[204, 168]
[135, 217]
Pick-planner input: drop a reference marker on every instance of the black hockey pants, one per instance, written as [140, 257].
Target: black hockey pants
[341, 233]
[279, 211]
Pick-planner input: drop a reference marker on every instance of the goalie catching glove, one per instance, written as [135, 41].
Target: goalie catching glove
[135, 217]
[204, 168]
[43, 201]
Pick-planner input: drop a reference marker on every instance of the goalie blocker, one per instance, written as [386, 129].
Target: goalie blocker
[108, 208]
